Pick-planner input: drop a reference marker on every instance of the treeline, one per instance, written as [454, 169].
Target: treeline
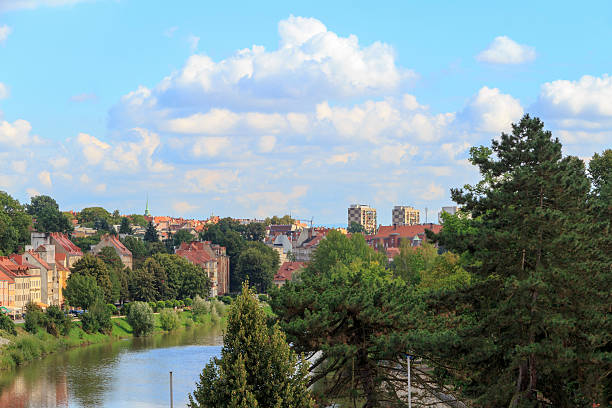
[516, 314]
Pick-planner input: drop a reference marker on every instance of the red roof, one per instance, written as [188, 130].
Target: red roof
[66, 244]
[195, 252]
[6, 277]
[404, 231]
[39, 260]
[114, 241]
[11, 268]
[285, 272]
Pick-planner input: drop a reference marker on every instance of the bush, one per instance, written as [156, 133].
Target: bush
[140, 318]
[263, 298]
[57, 322]
[7, 325]
[199, 307]
[169, 319]
[219, 308]
[188, 302]
[125, 309]
[34, 317]
[97, 318]
[112, 309]
[160, 305]
[226, 299]
[169, 304]
[181, 303]
[153, 306]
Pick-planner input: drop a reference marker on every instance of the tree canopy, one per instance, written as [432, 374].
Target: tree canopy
[257, 264]
[49, 218]
[14, 225]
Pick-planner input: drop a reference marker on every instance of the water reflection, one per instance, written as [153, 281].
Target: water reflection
[127, 373]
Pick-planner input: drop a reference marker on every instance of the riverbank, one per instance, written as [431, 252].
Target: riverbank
[26, 347]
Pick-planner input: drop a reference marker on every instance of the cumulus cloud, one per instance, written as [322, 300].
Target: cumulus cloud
[395, 153]
[588, 97]
[342, 158]
[433, 192]
[19, 166]
[4, 91]
[16, 134]
[210, 146]
[32, 192]
[504, 50]
[182, 207]
[4, 30]
[45, 178]
[264, 203]
[93, 149]
[266, 143]
[492, 111]
[208, 180]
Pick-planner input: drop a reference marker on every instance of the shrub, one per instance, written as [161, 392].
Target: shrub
[160, 305]
[169, 319]
[263, 298]
[153, 306]
[34, 317]
[214, 316]
[56, 321]
[112, 309]
[169, 304]
[97, 318]
[140, 318]
[188, 302]
[175, 303]
[199, 306]
[7, 325]
[181, 303]
[226, 299]
[219, 307]
[125, 308]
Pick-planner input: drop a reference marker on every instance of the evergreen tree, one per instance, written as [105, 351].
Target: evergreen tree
[151, 233]
[125, 227]
[256, 369]
[528, 323]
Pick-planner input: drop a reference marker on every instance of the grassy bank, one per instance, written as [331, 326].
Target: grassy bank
[26, 347]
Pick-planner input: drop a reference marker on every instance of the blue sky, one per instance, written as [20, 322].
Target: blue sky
[251, 109]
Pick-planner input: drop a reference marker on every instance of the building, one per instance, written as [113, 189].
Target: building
[62, 244]
[363, 215]
[112, 241]
[7, 290]
[286, 272]
[212, 259]
[404, 215]
[393, 236]
[452, 210]
[43, 258]
[27, 282]
[307, 243]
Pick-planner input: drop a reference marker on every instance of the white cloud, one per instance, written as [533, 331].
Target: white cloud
[210, 146]
[93, 148]
[491, 111]
[100, 188]
[265, 203]
[193, 42]
[45, 178]
[16, 134]
[4, 30]
[433, 192]
[4, 91]
[32, 4]
[85, 179]
[503, 50]
[343, 158]
[216, 121]
[395, 153]
[182, 207]
[59, 162]
[32, 192]
[19, 166]
[266, 143]
[206, 180]
[589, 97]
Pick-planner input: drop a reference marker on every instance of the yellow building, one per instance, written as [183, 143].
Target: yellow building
[27, 281]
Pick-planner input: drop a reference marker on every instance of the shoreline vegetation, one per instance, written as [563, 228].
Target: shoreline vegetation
[25, 347]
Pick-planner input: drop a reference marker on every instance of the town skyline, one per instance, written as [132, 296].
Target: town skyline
[276, 109]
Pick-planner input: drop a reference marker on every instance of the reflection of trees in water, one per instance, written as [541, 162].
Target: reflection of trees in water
[89, 373]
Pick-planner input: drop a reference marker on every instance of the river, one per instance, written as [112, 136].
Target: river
[130, 373]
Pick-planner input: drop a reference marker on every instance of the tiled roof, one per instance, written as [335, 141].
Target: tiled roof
[114, 241]
[59, 261]
[6, 277]
[285, 272]
[11, 268]
[66, 244]
[404, 231]
[195, 252]
[39, 259]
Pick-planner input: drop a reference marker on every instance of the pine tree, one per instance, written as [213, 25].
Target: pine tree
[151, 233]
[528, 322]
[125, 227]
[256, 369]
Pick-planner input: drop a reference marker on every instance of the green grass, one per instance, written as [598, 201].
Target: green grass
[26, 347]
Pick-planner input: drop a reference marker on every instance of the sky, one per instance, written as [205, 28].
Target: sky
[253, 109]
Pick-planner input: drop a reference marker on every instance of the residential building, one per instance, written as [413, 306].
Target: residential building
[112, 241]
[363, 215]
[308, 242]
[62, 244]
[7, 290]
[212, 259]
[404, 215]
[286, 272]
[392, 236]
[27, 282]
[43, 258]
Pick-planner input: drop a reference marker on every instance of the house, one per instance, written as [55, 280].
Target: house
[286, 272]
[27, 281]
[392, 236]
[112, 241]
[7, 290]
[307, 243]
[62, 244]
[43, 258]
[212, 259]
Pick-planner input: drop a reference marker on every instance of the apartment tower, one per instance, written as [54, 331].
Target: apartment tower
[364, 215]
[404, 215]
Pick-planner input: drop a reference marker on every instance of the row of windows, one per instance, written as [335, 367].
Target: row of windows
[28, 285]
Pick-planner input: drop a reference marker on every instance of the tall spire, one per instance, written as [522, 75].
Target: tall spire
[147, 212]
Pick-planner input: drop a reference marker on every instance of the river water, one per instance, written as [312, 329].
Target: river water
[128, 373]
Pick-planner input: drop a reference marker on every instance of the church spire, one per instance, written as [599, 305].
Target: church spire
[147, 212]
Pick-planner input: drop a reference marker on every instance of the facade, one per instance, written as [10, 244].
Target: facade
[452, 210]
[44, 259]
[62, 244]
[27, 282]
[307, 243]
[7, 290]
[212, 259]
[394, 236]
[286, 272]
[112, 241]
[404, 215]
[363, 215]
